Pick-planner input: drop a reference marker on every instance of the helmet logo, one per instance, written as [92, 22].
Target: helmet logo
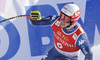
[76, 14]
[67, 9]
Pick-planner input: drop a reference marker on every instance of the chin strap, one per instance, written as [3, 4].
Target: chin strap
[69, 25]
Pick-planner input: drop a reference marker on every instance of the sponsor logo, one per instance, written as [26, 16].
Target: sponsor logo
[84, 50]
[81, 42]
[58, 23]
[74, 36]
[60, 38]
[59, 45]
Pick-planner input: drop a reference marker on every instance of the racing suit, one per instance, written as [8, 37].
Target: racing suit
[67, 42]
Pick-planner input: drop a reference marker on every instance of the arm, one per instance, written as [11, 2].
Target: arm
[83, 44]
[44, 21]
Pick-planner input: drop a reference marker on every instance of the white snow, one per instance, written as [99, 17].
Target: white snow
[96, 53]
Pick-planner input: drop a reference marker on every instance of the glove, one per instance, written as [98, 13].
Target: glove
[35, 15]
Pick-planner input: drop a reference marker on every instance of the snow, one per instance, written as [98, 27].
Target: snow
[96, 53]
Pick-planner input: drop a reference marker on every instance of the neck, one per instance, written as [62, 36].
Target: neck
[72, 26]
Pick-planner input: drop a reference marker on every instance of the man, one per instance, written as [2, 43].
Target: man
[69, 36]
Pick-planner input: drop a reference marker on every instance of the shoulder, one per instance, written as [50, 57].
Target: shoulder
[82, 40]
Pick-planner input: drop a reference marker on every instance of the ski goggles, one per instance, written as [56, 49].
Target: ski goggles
[64, 17]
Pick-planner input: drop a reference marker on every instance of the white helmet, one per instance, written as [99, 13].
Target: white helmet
[71, 10]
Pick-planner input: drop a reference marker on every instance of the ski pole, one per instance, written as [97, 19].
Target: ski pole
[34, 15]
[14, 17]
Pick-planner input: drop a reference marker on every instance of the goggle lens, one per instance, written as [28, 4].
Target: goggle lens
[65, 18]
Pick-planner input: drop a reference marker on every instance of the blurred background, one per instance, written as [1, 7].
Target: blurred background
[19, 40]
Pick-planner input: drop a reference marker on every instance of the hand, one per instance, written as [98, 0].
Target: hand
[35, 15]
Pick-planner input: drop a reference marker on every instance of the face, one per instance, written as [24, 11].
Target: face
[65, 21]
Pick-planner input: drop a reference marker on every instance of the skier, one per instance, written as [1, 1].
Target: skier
[69, 36]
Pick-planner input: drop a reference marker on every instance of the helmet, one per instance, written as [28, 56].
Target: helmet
[72, 11]
[35, 15]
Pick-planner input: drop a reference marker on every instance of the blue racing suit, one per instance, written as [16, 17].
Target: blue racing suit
[66, 48]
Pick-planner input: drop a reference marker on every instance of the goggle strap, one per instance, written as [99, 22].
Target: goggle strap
[70, 24]
[66, 15]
